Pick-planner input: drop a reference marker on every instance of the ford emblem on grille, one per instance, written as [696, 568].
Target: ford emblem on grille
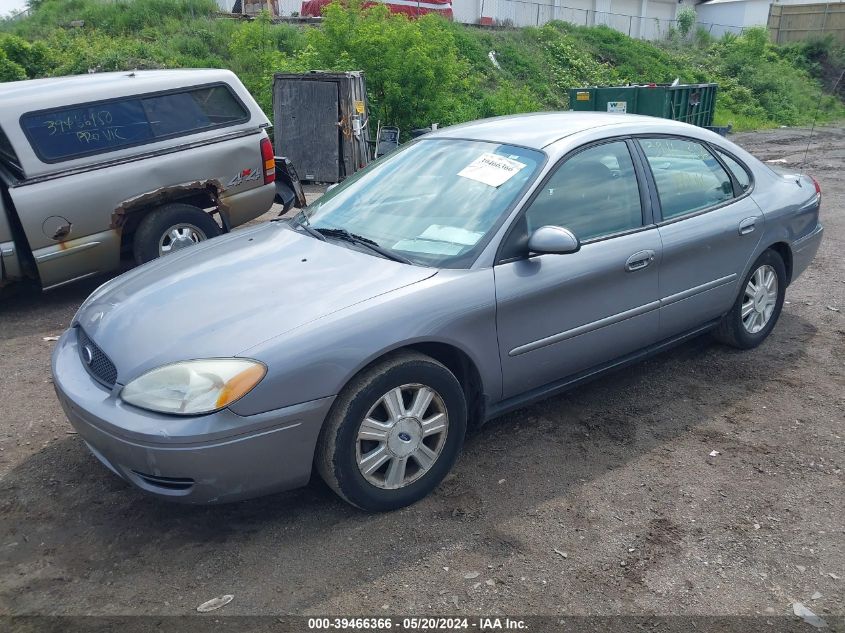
[87, 354]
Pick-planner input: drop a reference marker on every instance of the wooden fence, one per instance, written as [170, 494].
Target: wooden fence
[792, 22]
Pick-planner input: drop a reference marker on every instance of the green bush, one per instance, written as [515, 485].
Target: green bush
[414, 71]
[686, 18]
[9, 70]
[33, 58]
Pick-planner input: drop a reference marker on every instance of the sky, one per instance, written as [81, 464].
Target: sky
[11, 6]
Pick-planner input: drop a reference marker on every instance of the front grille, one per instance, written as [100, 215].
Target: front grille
[95, 360]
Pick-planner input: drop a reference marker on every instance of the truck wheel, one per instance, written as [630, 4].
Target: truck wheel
[171, 228]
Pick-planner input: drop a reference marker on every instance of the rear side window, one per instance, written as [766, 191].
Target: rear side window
[688, 176]
[83, 130]
[739, 172]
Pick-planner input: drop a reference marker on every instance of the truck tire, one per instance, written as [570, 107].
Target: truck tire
[170, 228]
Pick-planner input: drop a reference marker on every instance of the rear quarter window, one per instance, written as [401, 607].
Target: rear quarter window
[83, 130]
[740, 173]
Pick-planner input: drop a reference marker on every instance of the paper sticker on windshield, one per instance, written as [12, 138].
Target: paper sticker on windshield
[454, 234]
[491, 169]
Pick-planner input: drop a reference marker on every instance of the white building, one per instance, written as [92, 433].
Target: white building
[731, 16]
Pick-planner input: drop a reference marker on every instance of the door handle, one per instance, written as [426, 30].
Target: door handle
[639, 260]
[747, 226]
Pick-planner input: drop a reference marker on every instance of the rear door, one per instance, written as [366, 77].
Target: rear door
[709, 227]
[558, 315]
[10, 250]
[9, 266]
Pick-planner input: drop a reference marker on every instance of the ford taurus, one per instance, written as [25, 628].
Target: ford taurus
[477, 269]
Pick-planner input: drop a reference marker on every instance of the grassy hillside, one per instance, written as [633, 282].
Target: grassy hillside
[424, 70]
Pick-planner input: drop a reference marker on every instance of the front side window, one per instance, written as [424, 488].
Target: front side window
[688, 176]
[593, 194]
[435, 202]
[75, 131]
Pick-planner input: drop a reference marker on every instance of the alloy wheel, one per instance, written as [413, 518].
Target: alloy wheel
[402, 436]
[760, 299]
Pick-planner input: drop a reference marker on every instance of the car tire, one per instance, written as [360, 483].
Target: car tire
[348, 449]
[756, 310]
[157, 233]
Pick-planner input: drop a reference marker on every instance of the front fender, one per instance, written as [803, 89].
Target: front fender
[317, 360]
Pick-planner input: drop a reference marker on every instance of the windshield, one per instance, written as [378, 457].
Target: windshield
[433, 202]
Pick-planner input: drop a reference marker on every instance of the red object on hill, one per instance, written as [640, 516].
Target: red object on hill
[412, 8]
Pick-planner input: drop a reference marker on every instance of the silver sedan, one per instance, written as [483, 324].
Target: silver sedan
[473, 271]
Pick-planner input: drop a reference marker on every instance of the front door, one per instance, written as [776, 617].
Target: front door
[558, 315]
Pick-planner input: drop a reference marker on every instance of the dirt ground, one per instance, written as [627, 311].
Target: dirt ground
[603, 501]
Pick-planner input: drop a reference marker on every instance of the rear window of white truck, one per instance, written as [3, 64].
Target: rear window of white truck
[74, 131]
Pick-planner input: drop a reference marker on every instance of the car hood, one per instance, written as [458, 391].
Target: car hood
[231, 293]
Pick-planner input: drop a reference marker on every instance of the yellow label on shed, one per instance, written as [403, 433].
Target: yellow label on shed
[582, 95]
[359, 107]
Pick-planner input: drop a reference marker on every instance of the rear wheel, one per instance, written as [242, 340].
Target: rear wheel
[758, 305]
[171, 228]
[393, 433]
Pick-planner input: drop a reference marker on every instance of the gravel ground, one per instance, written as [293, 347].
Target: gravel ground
[602, 501]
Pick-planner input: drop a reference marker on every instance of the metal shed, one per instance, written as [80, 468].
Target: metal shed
[321, 123]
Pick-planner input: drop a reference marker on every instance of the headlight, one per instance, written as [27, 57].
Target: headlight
[194, 386]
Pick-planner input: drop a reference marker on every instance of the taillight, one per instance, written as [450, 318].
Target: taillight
[269, 161]
[818, 189]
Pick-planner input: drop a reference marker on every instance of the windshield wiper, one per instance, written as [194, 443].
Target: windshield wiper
[352, 238]
[301, 220]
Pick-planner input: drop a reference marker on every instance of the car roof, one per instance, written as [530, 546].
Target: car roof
[540, 129]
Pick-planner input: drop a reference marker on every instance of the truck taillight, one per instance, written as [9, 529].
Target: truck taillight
[269, 161]
[818, 188]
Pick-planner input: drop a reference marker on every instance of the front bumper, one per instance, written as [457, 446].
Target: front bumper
[212, 458]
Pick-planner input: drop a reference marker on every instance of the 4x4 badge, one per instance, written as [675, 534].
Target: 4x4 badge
[246, 175]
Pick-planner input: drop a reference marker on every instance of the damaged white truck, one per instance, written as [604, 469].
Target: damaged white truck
[99, 169]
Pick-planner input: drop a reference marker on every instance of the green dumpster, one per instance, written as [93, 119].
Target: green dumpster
[691, 103]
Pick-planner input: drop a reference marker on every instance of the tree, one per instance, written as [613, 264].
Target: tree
[686, 20]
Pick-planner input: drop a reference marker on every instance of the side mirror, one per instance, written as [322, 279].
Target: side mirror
[553, 240]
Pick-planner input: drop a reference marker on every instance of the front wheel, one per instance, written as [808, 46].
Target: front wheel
[758, 305]
[393, 433]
